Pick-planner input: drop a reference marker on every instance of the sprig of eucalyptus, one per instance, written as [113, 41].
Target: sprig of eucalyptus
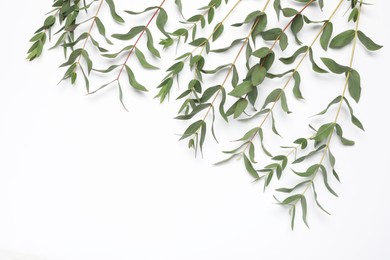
[242, 83]
[247, 148]
[161, 19]
[324, 135]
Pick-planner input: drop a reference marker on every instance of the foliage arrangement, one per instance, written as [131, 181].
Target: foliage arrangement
[255, 62]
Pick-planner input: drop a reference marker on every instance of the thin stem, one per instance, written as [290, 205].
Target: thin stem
[340, 105]
[138, 39]
[90, 29]
[295, 70]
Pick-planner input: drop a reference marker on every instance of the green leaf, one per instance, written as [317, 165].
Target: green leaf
[334, 66]
[274, 125]
[258, 75]
[296, 27]
[274, 96]
[234, 43]
[333, 102]
[143, 61]
[252, 153]
[109, 69]
[291, 199]
[277, 7]
[203, 131]
[268, 61]
[222, 104]
[242, 104]
[303, 158]
[192, 129]
[325, 177]
[354, 119]
[218, 30]
[342, 39]
[49, 22]
[289, 190]
[198, 42]
[226, 160]
[304, 210]
[194, 112]
[72, 58]
[85, 55]
[113, 12]
[326, 35]
[316, 199]
[131, 34]
[114, 55]
[296, 90]
[141, 12]
[309, 172]
[354, 85]
[261, 53]
[150, 44]
[292, 213]
[102, 29]
[176, 68]
[291, 59]
[241, 89]
[283, 41]
[272, 34]
[261, 135]
[367, 42]
[345, 141]
[249, 168]
[332, 159]
[289, 12]
[272, 76]
[324, 132]
[161, 21]
[302, 142]
[133, 82]
[209, 93]
[354, 15]
[249, 135]
[262, 21]
[121, 96]
[316, 68]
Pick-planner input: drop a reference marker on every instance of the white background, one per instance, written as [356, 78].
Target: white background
[81, 179]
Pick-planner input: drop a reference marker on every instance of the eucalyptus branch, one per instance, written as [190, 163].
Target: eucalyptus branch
[75, 57]
[200, 126]
[279, 166]
[140, 31]
[327, 131]
[326, 149]
[293, 72]
[139, 37]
